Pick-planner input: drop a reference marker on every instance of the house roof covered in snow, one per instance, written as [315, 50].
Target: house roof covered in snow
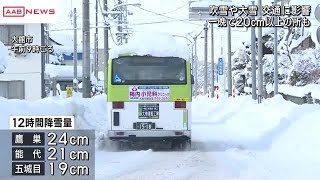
[63, 42]
[62, 71]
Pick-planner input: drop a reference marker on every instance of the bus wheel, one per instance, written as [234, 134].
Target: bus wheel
[185, 145]
[122, 145]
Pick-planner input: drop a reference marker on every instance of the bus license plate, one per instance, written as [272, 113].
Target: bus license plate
[144, 125]
[148, 111]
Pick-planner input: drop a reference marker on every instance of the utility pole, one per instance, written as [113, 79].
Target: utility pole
[260, 71]
[48, 43]
[212, 61]
[43, 62]
[205, 86]
[120, 35]
[75, 51]
[229, 63]
[96, 59]
[275, 52]
[106, 48]
[192, 66]
[253, 61]
[195, 65]
[86, 49]
[125, 20]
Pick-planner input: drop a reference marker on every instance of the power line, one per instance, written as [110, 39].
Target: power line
[194, 31]
[63, 22]
[176, 19]
[158, 22]
[175, 9]
[167, 16]
[113, 37]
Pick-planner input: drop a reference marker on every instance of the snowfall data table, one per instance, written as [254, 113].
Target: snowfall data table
[47, 154]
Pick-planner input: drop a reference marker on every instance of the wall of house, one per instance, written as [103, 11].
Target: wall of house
[26, 68]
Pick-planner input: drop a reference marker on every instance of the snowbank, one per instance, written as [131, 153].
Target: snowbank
[155, 44]
[270, 126]
[61, 70]
[241, 120]
[298, 91]
[3, 57]
[272, 140]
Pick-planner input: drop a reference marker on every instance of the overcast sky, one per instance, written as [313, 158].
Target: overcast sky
[175, 9]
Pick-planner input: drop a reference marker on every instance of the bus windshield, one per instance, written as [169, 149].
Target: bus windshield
[146, 70]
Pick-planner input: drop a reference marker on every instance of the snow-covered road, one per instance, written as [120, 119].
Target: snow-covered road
[230, 141]
[195, 164]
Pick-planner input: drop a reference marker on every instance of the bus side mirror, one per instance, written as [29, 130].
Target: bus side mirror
[192, 79]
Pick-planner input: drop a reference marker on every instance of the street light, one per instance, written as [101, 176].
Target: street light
[191, 43]
[195, 61]
[275, 51]
[192, 56]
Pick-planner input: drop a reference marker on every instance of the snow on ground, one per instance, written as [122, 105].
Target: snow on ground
[298, 91]
[151, 43]
[233, 138]
[3, 57]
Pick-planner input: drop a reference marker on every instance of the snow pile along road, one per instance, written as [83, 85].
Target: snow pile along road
[273, 140]
[3, 57]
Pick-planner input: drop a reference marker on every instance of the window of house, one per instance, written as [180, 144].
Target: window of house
[8, 31]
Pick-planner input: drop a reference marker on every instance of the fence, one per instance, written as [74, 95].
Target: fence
[12, 89]
[307, 99]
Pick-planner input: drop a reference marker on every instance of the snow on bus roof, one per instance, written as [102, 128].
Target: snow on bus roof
[154, 44]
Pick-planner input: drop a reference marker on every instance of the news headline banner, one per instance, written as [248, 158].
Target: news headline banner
[30, 11]
[271, 16]
[46, 147]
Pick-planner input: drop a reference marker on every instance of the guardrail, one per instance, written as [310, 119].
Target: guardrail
[306, 99]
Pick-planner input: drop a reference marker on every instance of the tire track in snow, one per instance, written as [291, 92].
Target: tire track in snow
[171, 166]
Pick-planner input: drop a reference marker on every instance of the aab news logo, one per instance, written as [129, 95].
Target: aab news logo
[22, 11]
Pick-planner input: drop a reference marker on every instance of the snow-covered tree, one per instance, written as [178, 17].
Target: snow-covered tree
[201, 76]
[3, 57]
[241, 59]
[292, 69]
[305, 69]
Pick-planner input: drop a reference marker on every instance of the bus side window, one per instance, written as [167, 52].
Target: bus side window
[192, 79]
